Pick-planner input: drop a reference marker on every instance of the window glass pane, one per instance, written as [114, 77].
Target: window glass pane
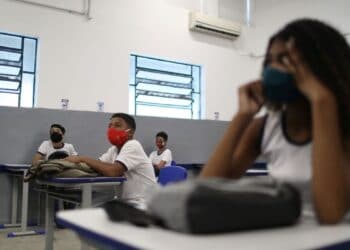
[9, 56]
[8, 70]
[7, 99]
[10, 41]
[163, 112]
[17, 55]
[27, 90]
[163, 65]
[163, 77]
[9, 85]
[162, 88]
[29, 55]
[163, 100]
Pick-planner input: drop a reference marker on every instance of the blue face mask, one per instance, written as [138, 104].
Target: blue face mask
[278, 86]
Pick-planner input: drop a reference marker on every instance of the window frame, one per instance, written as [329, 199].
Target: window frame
[194, 86]
[20, 65]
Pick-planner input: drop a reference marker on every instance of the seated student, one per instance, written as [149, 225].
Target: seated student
[125, 158]
[306, 134]
[161, 157]
[55, 148]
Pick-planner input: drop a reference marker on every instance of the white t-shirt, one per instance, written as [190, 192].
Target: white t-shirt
[164, 156]
[46, 149]
[140, 174]
[287, 161]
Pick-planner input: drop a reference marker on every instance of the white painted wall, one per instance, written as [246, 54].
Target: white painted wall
[271, 15]
[88, 61]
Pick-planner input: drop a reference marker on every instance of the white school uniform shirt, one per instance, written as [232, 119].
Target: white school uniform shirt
[46, 149]
[141, 180]
[164, 156]
[287, 161]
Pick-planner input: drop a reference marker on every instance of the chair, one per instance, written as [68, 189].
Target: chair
[171, 174]
[172, 163]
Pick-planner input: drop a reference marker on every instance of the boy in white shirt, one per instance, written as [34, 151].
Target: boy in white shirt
[54, 148]
[125, 158]
[162, 156]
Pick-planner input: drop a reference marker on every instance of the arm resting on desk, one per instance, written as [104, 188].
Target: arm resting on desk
[37, 157]
[106, 169]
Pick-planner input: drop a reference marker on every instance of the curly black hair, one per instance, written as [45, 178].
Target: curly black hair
[327, 54]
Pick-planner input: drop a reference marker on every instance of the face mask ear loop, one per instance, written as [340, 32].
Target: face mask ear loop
[127, 131]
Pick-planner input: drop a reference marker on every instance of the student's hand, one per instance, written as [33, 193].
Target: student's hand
[250, 98]
[73, 159]
[306, 81]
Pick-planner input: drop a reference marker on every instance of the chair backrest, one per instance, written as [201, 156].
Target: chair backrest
[172, 174]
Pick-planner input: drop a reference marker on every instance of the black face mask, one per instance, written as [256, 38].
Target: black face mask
[56, 137]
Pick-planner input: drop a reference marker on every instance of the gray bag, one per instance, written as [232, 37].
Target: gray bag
[222, 205]
[215, 206]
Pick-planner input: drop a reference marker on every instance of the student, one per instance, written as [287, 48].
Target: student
[161, 157]
[125, 158]
[305, 135]
[54, 148]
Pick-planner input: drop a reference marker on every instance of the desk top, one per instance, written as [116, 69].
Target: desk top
[82, 180]
[94, 224]
[14, 167]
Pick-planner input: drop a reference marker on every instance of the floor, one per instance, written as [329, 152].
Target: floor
[64, 239]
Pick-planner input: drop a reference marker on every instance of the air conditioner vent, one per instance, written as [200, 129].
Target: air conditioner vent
[214, 25]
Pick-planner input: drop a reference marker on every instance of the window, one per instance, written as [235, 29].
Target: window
[17, 70]
[164, 88]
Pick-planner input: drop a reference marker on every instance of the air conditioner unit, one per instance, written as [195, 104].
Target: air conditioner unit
[214, 25]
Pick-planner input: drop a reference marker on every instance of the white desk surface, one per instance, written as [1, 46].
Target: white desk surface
[305, 235]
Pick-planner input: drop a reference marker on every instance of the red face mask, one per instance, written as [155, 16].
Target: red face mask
[117, 137]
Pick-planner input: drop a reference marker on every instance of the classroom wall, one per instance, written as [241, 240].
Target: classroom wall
[23, 129]
[271, 15]
[88, 61]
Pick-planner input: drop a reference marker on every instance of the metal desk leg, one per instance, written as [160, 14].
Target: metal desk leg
[85, 203]
[14, 200]
[39, 209]
[87, 195]
[49, 218]
[24, 215]
[14, 205]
